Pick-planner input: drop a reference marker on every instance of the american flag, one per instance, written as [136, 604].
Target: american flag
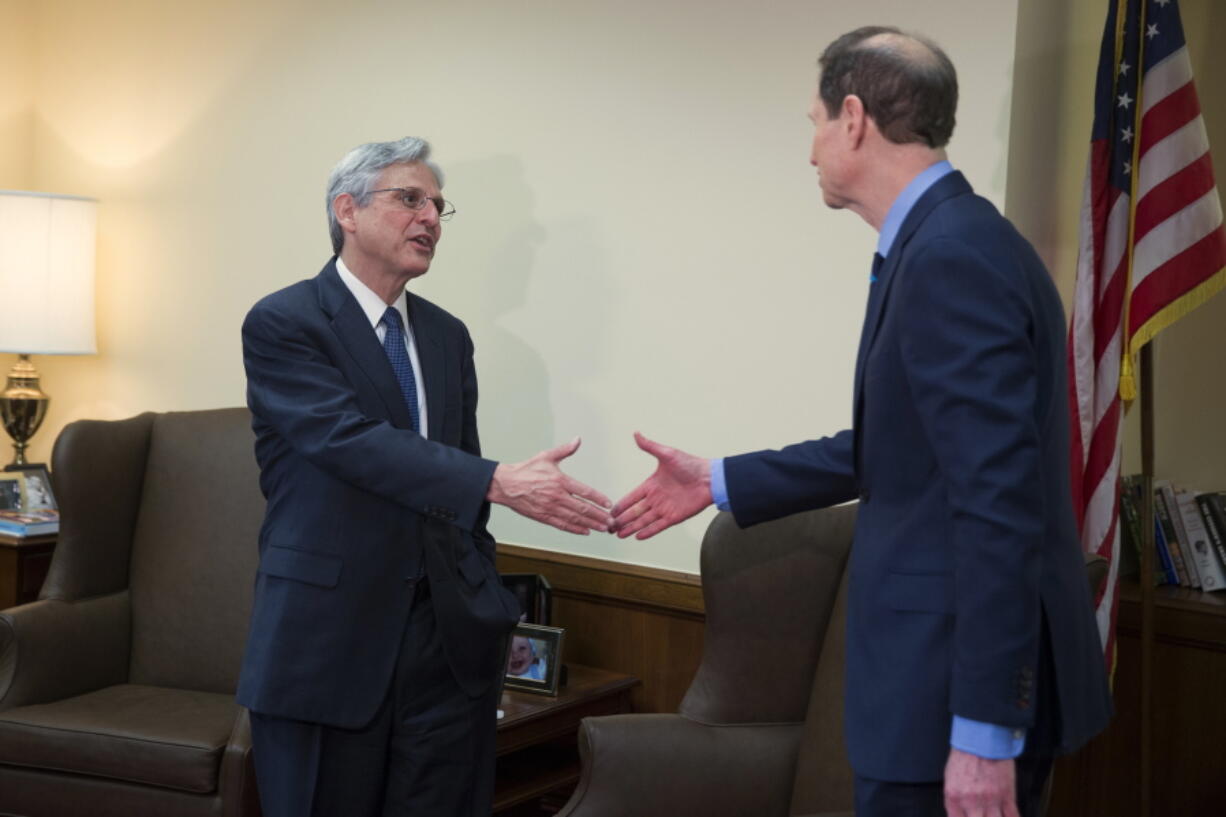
[1152, 249]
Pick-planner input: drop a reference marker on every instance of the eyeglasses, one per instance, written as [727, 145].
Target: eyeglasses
[415, 199]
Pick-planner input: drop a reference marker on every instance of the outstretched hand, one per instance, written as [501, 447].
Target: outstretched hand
[538, 489]
[679, 488]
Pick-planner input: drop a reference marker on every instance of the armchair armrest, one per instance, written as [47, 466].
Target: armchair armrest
[665, 765]
[238, 790]
[53, 649]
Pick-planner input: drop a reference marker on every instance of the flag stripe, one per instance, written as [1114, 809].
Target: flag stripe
[1173, 153]
[1168, 115]
[1164, 77]
[1170, 196]
[1175, 235]
[1177, 277]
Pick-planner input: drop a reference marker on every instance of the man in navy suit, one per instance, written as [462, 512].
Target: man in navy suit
[379, 622]
[972, 654]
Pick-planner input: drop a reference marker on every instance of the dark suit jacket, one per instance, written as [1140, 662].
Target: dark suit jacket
[359, 506]
[959, 456]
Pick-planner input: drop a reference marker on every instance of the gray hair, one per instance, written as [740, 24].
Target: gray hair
[357, 173]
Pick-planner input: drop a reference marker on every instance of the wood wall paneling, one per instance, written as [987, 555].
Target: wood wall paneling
[640, 620]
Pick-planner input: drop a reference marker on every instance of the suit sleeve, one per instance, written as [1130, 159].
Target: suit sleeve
[768, 485]
[295, 388]
[470, 442]
[966, 341]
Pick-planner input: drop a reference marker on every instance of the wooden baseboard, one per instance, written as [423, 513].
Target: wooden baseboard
[642, 620]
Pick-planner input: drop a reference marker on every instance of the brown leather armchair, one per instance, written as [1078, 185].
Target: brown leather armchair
[760, 731]
[117, 685]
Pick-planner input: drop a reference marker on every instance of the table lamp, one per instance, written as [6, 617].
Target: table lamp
[47, 244]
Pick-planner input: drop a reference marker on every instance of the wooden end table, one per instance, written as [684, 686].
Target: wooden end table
[538, 753]
[23, 566]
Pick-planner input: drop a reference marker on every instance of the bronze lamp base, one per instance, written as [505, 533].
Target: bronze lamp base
[23, 405]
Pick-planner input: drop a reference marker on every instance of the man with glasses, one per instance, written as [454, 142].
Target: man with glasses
[379, 619]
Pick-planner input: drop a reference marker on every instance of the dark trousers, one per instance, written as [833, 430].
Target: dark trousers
[428, 750]
[883, 798]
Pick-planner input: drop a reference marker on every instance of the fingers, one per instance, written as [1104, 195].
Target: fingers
[652, 447]
[576, 516]
[630, 499]
[654, 528]
[577, 488]
[633, 519]
[561, 452]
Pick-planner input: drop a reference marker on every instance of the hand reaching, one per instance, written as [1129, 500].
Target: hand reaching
[679, 488]
[538, 489]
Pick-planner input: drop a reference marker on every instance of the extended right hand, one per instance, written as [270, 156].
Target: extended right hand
[679, 488]
[538, 489]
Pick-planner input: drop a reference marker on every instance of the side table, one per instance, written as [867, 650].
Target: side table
[538, 752]
[23, 567]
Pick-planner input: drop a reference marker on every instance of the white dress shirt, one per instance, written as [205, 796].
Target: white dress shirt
[374, 307]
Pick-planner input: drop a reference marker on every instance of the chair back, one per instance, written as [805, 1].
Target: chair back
[769, 591]
[195, 551]
[167, 506]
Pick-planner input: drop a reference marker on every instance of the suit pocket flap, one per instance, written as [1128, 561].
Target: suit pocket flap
[301, 565]
[920, 592]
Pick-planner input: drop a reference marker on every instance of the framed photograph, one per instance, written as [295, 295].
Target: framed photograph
[12, 492]
[36, 486]
[534, 594]
[534, 659]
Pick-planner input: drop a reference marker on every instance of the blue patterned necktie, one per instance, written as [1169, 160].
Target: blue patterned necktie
[398, 356]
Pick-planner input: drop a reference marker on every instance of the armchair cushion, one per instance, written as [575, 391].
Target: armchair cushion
[153, 735]
[666, 765]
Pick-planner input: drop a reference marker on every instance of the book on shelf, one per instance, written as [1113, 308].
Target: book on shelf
[1189, 533]
[29, 523]
[1130, 511]
[1166, 513]
[1181, 532]
[1212, 571]
[1169, 574]
[1213, 512]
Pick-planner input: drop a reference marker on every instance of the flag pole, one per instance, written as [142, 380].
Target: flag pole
[1148, 558]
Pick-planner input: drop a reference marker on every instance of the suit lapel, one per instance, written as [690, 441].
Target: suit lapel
[432, 357]
[952, 184]
[358, 338]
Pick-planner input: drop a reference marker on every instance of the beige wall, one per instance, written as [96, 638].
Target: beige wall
[16, 94]
[640, 242]
[1057, 54]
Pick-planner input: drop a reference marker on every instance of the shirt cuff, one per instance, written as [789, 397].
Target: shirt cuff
[719, 488]
[986, 740]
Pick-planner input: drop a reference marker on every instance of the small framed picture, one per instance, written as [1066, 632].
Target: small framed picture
[534, 659]
[36, 487]
[12, 493]
[534, 594]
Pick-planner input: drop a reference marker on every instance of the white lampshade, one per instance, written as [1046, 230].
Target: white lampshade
[47, 245]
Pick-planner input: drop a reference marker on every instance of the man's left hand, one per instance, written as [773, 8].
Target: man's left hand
[979, 787]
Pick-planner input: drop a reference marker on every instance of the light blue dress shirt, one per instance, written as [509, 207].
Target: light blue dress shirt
[983, 739]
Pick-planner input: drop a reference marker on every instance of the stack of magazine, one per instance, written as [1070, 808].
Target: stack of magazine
[29, 523]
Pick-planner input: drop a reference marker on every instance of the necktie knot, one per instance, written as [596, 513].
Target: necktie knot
[392, 319]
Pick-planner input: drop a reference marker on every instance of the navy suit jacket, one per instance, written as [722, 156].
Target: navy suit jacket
[359, 506]
[959, 456]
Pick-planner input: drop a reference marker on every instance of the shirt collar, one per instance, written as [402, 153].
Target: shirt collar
[372, 305]
[905, 201]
